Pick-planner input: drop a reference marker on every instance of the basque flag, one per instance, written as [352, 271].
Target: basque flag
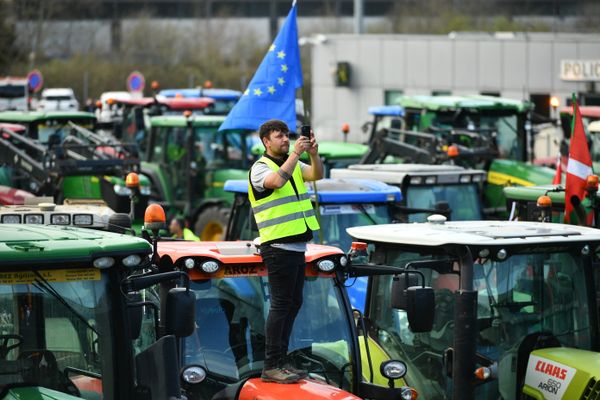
[579, 166]
[271, 93]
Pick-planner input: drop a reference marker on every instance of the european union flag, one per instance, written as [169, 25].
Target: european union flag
[272, 91]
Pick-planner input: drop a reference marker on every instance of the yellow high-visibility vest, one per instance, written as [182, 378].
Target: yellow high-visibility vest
[283, 213]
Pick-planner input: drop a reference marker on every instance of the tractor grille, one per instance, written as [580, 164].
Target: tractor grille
[592, 390]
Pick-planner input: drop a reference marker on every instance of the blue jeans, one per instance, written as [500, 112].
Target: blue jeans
[286, 282]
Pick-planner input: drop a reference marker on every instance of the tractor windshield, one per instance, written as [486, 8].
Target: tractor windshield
[518, 298]
[55, 131]
[230, 331]
[56, 331]
[503, 127]
[335, 218]
[463, 200]
[224, 150]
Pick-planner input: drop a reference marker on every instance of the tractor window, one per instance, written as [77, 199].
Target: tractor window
[48, 326]
[228, 150]
[335, 218]
[507, 135]
[237, 308]
[463, 200]
[518, 298]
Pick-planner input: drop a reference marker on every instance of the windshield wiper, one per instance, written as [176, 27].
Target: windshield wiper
[42, 283]
[365, 212]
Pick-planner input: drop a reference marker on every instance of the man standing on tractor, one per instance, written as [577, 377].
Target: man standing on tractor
[178, 229]
[285, 220]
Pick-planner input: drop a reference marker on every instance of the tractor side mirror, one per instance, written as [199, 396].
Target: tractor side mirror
[135, 314]
[417, 301]
[399, 286]
[420, 310]
[181, 312]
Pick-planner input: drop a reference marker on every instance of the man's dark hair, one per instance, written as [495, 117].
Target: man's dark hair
[180, 221]
[271, 126]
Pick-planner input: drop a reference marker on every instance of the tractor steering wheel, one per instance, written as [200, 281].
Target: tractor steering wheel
[5, 348]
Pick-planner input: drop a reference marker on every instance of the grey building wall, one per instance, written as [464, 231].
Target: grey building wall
[514, 65]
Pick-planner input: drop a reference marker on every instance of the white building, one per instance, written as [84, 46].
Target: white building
[516, 65]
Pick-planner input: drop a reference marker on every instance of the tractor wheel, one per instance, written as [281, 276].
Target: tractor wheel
[211, 224]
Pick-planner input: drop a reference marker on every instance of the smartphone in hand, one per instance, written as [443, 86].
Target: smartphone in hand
[305, 131]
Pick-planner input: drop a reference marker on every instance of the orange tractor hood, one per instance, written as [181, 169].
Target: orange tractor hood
[255, 389]
[237, 259]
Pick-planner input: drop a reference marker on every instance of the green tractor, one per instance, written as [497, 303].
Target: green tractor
[73, 324]
[58, 155]
[485, 132]
[547, 204]
[188, 161]
[485, 309]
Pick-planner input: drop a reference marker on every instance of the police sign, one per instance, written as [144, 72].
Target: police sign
[580, 70]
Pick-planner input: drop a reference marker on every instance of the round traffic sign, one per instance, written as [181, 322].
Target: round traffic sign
[35, 80]
[136, 82]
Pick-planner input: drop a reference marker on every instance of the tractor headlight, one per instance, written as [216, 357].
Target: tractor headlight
[104, 262]
[326, 265]
[430, 180]
[122, 190]
[11, 219]
[145, 190]
[210, 267]
[83, 219]
[343, 261]
[477, 178]
[393, 369]
[189, 263]
[465, 179]
[193, 374]
[60, 219]
[34, 219]
[132, 260]
[416, 180]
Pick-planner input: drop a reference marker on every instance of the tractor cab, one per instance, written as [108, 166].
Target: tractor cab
[484, 132]
[188, 161]
[384, 117]
[73, 324]
[485, 310]
[129, 118]
[224, 356]
[446, 189]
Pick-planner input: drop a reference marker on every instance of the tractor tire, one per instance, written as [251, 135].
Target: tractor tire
[211, 224]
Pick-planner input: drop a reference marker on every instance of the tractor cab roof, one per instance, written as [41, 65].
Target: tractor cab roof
[180, 121]
[531, 193]
[217, 94]
[391, 111]
[339, 190]
[176, 104]
[93, 214]
[42, 244]
[586, 111]
[35, 116]
[472, 102]
[475, 233]
[417, 173]
[17, 128]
